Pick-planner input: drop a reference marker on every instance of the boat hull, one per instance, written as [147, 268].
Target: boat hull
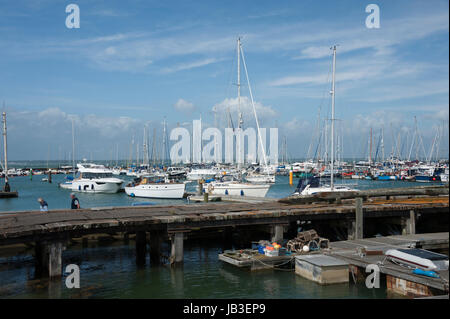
[170, 191]
[91, 186]
[237, 189]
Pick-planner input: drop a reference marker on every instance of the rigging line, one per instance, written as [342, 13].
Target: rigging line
[254, 109]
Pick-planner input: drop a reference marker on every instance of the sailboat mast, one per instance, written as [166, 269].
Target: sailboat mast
[370, 151]
[73, 149]
[238, 142]
[5, 147]
[332, 118]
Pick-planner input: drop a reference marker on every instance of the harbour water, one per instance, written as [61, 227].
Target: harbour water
[30, 189]
[108, 269]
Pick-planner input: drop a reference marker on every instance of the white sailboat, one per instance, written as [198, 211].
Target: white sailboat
[312, 186]
[237, 187]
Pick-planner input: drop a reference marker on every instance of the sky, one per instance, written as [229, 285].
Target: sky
[138, 63]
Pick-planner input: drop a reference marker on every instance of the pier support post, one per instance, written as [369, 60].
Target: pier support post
[409, 224]
[155, 247]
[351, 230]
[176, 255]
[141, 248]
[277, 233]
[227, 238]
[359, 218]
[48, 259]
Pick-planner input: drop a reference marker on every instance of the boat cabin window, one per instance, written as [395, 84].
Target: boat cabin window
[96, 175]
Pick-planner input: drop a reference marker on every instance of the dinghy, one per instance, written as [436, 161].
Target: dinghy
[418, 258]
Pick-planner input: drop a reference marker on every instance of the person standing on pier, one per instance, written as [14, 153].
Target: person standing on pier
[75, 202]
[44, 205]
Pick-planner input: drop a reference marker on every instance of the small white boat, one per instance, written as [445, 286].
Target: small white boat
[311, 186]
[66, 185]
[260, 178]
[236, 188]
[418, 258]
[154, 187]
[201, 173]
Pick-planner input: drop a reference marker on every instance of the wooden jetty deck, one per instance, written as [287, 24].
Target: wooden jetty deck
[50, 230]
[33, 225]
[399, 279]
[230, 198]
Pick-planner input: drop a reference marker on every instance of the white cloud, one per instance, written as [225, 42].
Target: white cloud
[184, 106]
[190, 65]
[231, 105]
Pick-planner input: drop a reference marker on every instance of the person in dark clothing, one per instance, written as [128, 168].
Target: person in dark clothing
[7, 188]
[44, 205]
[75, 202]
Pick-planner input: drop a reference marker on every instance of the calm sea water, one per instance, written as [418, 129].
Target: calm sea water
[30, 189]
[110, 271]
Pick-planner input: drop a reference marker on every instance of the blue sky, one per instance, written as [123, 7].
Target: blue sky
[138, 62]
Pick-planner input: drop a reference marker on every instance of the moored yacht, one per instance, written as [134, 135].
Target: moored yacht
[94, 178]
[228, 185]
[155, 187]
[201, 173]
[311, 186]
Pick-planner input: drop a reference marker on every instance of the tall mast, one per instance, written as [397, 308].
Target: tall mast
[163, 157]
[370, 151]
[332, 118]
[240, 121]
[382, 143]
[73, 148]
[5, 147]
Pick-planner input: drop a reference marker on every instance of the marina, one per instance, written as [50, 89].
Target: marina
[174, 224]
[235, 151]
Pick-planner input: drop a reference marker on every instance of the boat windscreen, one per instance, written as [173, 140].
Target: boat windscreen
[303, 182]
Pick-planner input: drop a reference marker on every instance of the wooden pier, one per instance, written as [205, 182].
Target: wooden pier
[399, 279]
[49, 231]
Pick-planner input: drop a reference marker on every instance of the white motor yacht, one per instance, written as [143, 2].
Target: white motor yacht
[95, 178]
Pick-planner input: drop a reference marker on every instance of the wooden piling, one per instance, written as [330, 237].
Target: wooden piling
[48, 259]
[155, 247]
[277, 233]
[176, 255]
[141, 248]
[359, 218]
[409, 224]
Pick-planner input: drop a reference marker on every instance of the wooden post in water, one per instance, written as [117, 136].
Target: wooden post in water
[176, 255]
[359, 231]
[409, 224]
[155, 247]
[141, 248]
[48, 259]
[277, 232]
